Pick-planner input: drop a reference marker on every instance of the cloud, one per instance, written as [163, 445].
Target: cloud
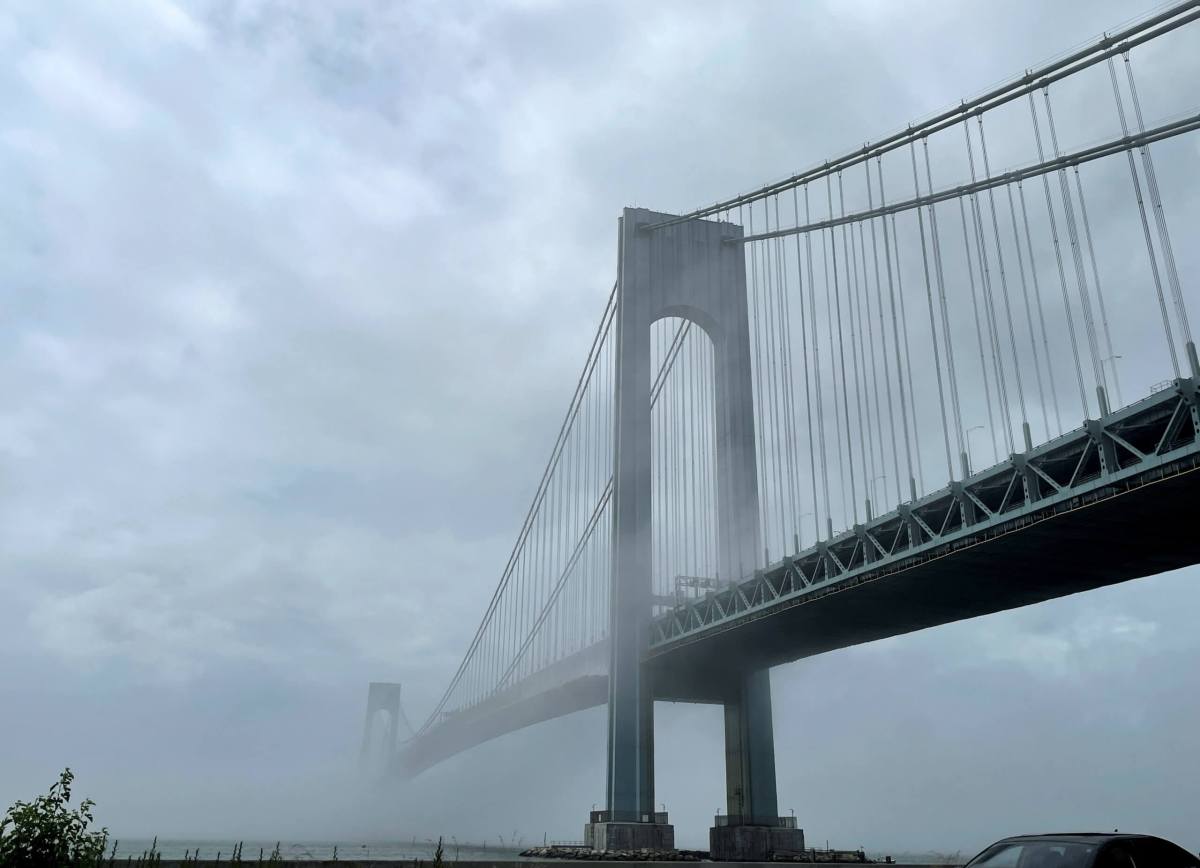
[74, 86]
[136, 618]
[1089, 643]
[294, 298]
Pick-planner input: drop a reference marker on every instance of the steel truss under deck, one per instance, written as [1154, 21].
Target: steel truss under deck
[1145, 442]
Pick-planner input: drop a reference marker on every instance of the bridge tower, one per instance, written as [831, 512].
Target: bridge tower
[382, 696]
[694, 270]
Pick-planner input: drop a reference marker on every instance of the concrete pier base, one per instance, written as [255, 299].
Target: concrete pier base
[604, 835]
[744, 843]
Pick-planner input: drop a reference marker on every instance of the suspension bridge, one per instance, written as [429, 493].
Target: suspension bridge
[769, 452]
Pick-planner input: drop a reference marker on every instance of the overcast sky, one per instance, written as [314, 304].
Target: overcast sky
[294, 296]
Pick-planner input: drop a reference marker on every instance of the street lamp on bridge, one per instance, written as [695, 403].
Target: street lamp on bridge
[970, 459]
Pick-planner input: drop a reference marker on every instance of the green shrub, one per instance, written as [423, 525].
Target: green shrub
[44, 833]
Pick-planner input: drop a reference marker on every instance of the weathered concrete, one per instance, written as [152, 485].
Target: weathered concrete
[586, 854]
[754, 843]
[607, 836]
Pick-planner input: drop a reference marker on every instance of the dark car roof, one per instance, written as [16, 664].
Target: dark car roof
[1087, 837]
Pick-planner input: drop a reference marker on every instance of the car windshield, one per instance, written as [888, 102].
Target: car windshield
[1035, 854]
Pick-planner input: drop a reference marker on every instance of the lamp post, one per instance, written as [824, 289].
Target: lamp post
[800, 521]
[1112, 360]
[875, 479]
[970, 458]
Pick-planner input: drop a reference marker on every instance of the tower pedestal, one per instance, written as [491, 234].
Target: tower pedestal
[746, 843]
[603, 834]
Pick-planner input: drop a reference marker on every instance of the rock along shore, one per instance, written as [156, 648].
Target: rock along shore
[586, 854]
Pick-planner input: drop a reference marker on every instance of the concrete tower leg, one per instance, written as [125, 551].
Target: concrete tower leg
[751, 830]
[750, 752]
[630, 821]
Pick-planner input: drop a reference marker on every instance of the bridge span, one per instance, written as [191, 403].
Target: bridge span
[773, 371]
[1112, 501]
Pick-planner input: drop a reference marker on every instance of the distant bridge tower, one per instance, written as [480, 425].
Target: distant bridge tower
[694, 270]
[382, 696]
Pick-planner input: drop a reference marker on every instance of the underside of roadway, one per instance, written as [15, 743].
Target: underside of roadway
[577, 682]
[1145, 531]
[1148, 530]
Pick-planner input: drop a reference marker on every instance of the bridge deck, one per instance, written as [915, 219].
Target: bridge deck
[572, 684]
[1112, 501]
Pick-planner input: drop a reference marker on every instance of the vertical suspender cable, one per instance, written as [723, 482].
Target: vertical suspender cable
[951, 367]
[1037, 368]
[762, 414]
[695, 454]
[807, 364]
[813, 324]
[912, 392]
[1160, 218]
[855, 346]
[887, 390]
[1062, 274]
[685, 442]
[837, 298]
[1077, 256]
[555, 557]
[937, 355]
[694, 440]
[705, 533]
[860, 279]
[1087, 234]
[830, 295]
[771, 320]
[874, 369]
[987, 389]
[988, 303]
[678, 464]
[658, 441]
[539, 575]
[1137, 192]
[787, 385]
[552, 633]
[892, 293]
[1037, 294]
[1012, 331]
[758, 401]
[577, 523]
[709, 415]
[772, 367]
[590, 488]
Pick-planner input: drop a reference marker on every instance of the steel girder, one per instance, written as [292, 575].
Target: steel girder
[1129, 448]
